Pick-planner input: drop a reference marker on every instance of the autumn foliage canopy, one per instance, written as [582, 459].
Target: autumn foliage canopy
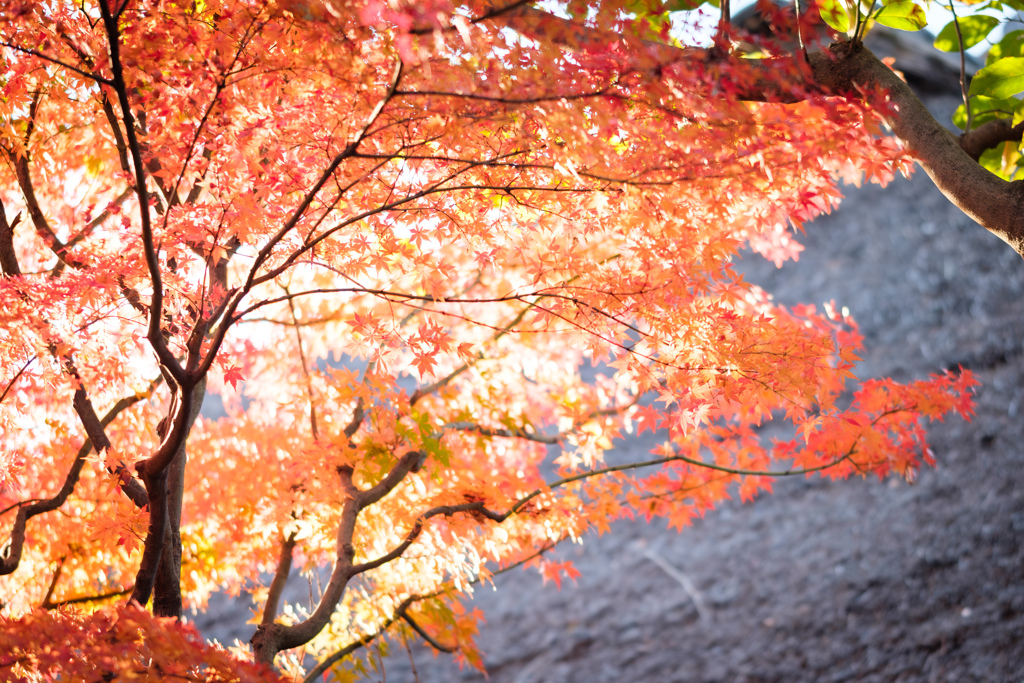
[435, 259]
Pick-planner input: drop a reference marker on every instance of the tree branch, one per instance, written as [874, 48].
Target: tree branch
[410, 462]
[444, 381]
[156, 533]
[271, 638]
[47, 604]
[167, 588]
[988, 135]
[39, 221]
[426, 636]
[305, 367]
[508, 433]
[54, 60]
[27, 512]
[284, 568]
[402, 609]
[840, 70]
[417, 529]
[232, 302]
[307, 200]
[8, 256]
[994, 203]
[155, 333]
[14, 379]
[99, 219]
[164, 493]
[322, 667]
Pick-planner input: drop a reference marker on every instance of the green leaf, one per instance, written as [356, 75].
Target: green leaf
[1011, 45]
[1003, 159]
[985, 109]
[1002, 80]
[973, 29]
[687, 5]
[641, 7]
[906, 16]
[835, 15]
[992, 159]
[1018, 114]
[994, 4]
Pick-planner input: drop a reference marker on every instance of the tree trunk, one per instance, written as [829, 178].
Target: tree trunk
[167, 589]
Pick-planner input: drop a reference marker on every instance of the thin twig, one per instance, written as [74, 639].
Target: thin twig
[426, 636]
[54, 60]
[963, 69]
[305, 366]
[15, 378]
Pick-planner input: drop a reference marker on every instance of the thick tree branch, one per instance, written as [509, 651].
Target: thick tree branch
[284, 568]
[989, 134]
[94, 427]
[271, 638]
[163, 492]
[156, 533]
[8, 256]
[410, 462]
[167, 588]
[154, 333]
[115, 129]
[131, 487]
[994, 203]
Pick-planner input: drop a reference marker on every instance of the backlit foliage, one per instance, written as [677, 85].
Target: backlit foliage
[416, 252]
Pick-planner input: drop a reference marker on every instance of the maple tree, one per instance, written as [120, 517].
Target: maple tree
[435, 258]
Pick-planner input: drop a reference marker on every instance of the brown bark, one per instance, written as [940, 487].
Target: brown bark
[8, 257]
[154, 473]
[997, 205]
[271, 638]
[167, 587]
[284, 569]
[989, 134]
